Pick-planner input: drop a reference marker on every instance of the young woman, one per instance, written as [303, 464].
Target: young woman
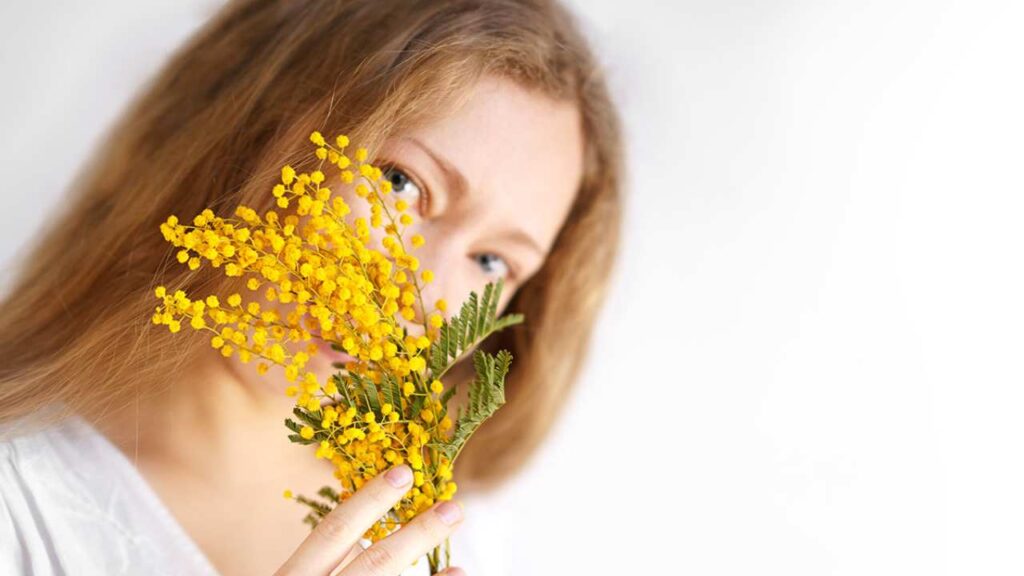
[130, 450]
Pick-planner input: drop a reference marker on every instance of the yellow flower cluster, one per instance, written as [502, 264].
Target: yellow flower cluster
[387, 408]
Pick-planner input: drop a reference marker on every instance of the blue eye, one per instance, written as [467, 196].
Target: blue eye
[401, 185]
[492, 263]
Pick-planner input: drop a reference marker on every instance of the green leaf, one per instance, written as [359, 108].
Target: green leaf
[392, 391]
[343, 387]
[475, 321]
[318, 509]
[486, 395]
[300, 440]
[330, 494]
[417, 404]
[312, 418]
[481, 317]
[369, 392]
[447, 395]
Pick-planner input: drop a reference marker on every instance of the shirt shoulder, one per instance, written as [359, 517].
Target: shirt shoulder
[71, 503]
[27, 493]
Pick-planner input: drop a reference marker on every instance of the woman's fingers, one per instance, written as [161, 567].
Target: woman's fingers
[453, 571]
[393, 554]
[329, 543]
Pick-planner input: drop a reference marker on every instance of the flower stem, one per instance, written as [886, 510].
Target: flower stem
[434, 559]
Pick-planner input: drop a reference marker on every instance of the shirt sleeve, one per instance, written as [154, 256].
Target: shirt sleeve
[33, 539]
[16, 546]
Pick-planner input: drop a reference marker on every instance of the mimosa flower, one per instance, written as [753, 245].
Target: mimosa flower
[389, 406]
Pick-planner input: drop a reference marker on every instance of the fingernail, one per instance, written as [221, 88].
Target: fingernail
[399, 476]
[450, 512]
[455, 572]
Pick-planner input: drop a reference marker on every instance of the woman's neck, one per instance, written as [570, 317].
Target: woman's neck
[214, 448]
[213, 424]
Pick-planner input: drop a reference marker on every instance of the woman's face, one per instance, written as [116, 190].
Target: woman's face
[488, 187]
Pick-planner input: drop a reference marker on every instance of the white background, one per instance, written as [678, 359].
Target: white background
[812, 360]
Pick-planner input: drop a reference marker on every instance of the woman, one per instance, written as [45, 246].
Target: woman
[128, 449]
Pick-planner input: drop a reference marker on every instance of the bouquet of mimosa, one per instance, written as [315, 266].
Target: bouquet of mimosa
[388, 404]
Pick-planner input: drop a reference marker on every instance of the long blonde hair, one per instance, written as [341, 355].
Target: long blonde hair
[212, 128]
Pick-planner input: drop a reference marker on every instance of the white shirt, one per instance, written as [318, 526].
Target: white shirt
[72, 503]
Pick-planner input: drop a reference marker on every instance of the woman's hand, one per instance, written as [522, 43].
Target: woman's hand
[333, 543]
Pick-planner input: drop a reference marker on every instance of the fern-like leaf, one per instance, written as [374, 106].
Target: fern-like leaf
[368, 392]
[392, 392]
[486, 395]
[475, 321]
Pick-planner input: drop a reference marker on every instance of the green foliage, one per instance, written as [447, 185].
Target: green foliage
[317, 510]
[330, 494]
[392, 390]
[311, 418]
[476, 320]
[486, 395]
[367, 390]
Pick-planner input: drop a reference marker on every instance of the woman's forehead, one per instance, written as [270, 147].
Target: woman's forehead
[518, 151]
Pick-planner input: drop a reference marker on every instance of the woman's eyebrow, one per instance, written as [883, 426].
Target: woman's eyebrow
[457, 183]
[523, 239]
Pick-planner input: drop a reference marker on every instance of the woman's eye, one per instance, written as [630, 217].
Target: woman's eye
[402, 186]
[493, 264]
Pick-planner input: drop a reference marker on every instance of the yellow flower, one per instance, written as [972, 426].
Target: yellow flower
[287, 175]
[417, 364]
[415, 460]
[277, 353]
[338, 288]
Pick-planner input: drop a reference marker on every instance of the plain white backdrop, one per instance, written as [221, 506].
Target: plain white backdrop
[812, 360]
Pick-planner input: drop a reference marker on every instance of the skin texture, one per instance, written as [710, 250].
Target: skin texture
[213, 446]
